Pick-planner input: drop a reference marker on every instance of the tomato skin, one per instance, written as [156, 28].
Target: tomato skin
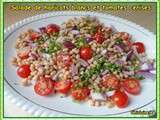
[53, 28]
[64, 59]
[120, 99]
[139, 46]
[99, 37]
[86, 52]
[44, 86]
[132, 86]
[110, 81]
[34, 36]
[63, 86]
[24, 56]
[80, 94]
[24, 71]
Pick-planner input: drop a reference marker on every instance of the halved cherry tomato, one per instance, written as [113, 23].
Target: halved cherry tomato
[99, 37]
[52, 28]
[24, 71]
[120, 99]
[35, 36]
[65, 59]
[63, 86]
[110, 81]
[86, 52]
[132, 86]
[44, 86]
[80, 94]
[23, 53]
[139, 46]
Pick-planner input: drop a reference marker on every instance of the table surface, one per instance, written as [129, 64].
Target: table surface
[146, 19]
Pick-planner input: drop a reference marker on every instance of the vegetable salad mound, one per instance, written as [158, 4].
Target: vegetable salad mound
[81, 58]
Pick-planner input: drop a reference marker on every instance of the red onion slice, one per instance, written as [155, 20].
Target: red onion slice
[147, 74]
[129, 55]
[43, 30]
[74, 70]
[83, 63]
[118, 48]
[68, 44]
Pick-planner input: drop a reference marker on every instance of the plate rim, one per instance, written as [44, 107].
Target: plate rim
[17, 99]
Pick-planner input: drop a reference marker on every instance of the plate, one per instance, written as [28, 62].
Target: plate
[37, 105]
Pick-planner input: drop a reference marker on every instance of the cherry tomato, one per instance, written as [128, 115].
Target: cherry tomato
[23, 53]
[120, 99]
[139, 46]
[80, 94]
[65, 59]
[35, 36]
[44, 86]
[110, 81]
[132, 86]
[63, 86]
[52, 28]
[99, 37]
[86, 52]
[24, 71]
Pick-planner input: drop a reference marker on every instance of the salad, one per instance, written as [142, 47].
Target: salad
[84, 59]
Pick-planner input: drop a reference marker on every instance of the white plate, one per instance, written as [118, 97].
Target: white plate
[28, 100]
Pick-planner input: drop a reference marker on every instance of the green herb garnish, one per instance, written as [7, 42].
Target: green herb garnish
[139, 77]
[119, 41]
[101, 65]
[80, 42]
[133, 68]
[52, 48]
[93, 29]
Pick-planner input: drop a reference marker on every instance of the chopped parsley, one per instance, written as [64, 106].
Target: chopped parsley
[80, 42]
[52, 48]
[139, 77]
[119, 41]
[96, 70]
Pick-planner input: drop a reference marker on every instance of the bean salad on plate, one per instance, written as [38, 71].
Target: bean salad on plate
[81, 58]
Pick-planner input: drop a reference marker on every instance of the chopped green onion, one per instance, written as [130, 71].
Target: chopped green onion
[119, 41]
[52, 48]
[139, 77]
[80, 42]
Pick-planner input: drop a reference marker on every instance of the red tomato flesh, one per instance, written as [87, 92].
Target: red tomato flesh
[44, 86]
[139, 46]
[52, 28]
[110, 81]
[63, 86]
[80, 94]
[132, 86]
[120, 99]
[99, 37]
[86, 52]
[24, 71]
[35, 36]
